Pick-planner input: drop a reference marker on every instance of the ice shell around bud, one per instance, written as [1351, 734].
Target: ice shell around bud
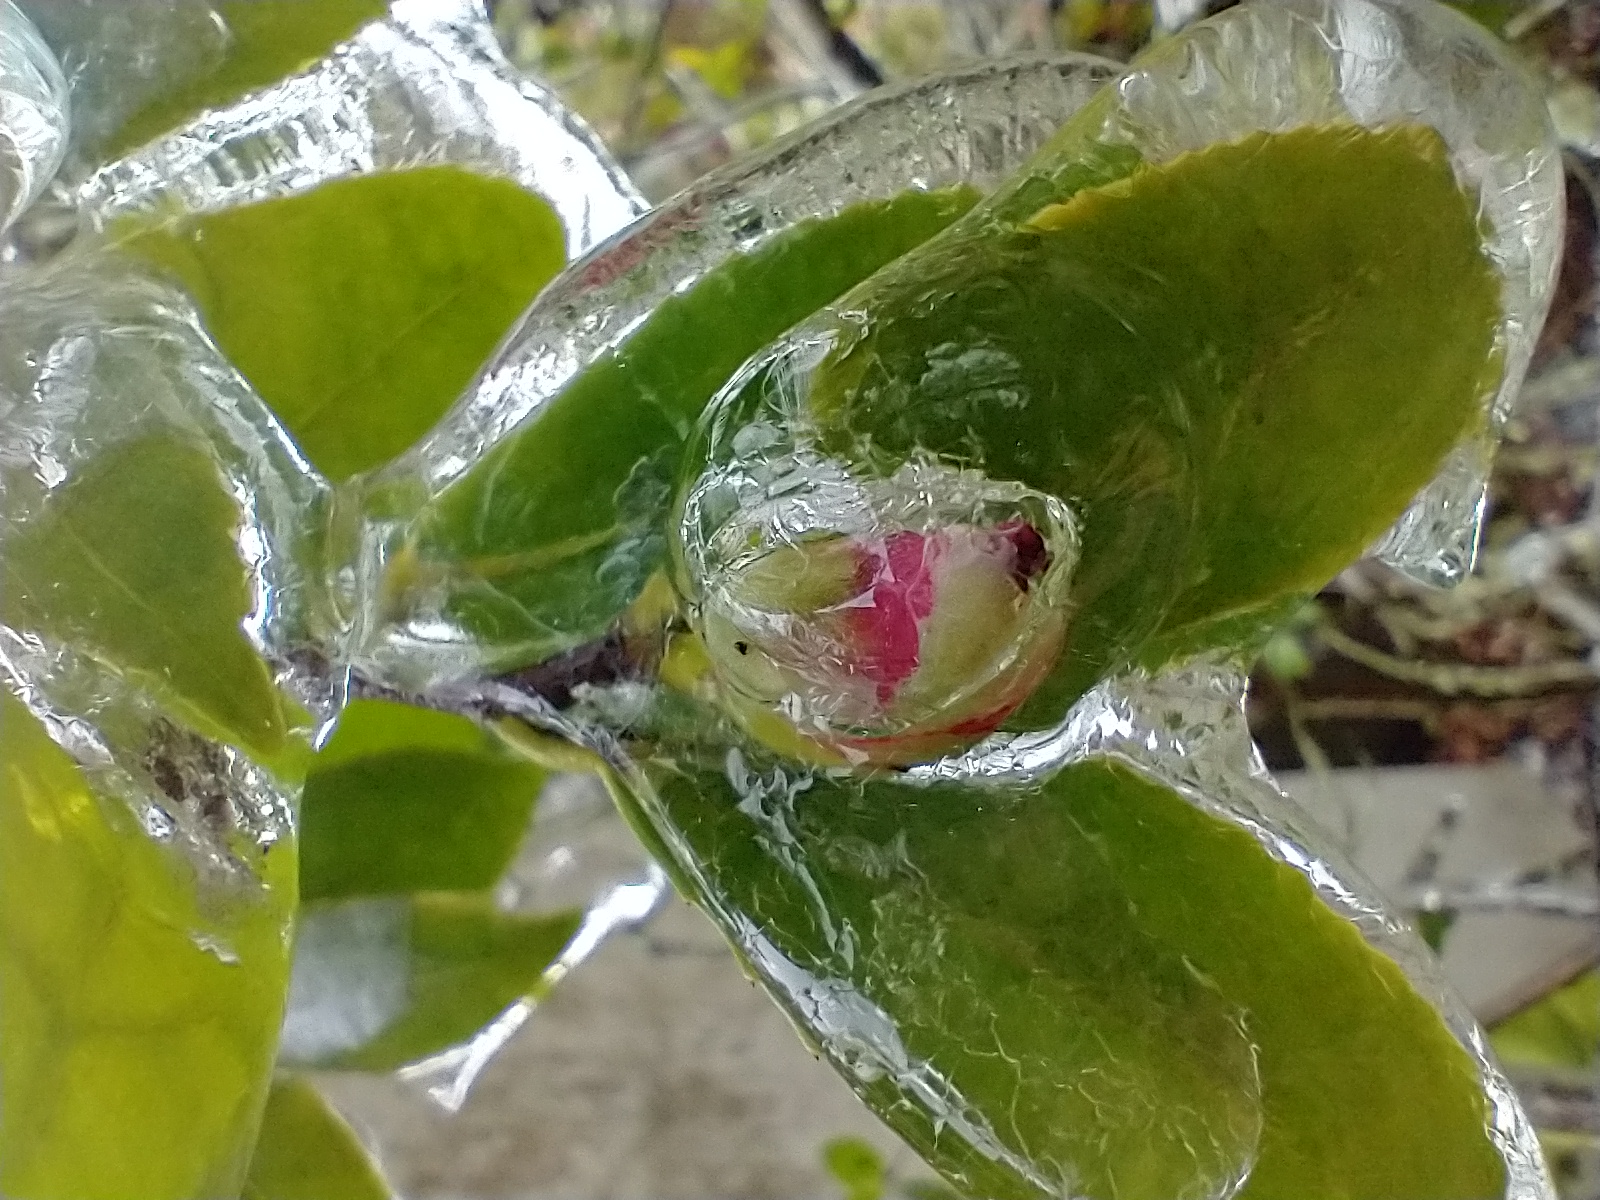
[891, 647]
[33, 113]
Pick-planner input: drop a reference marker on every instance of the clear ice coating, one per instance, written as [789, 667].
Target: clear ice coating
[117, 58]
[425, 84]
[974, 125]
[96, 358]
[1087, 961]
[887, 619]
[969, 128]
[150, 510]
[33, 113]
[820, 412]
[163, 616]
[96, 354]
[1376, 63]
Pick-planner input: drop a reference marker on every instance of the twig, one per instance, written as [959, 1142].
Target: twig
[641, 82]
[843, 47]
[1530, 18]
[1361, 708]
[1558, 1105]
[1462, 679]
[1545, 900]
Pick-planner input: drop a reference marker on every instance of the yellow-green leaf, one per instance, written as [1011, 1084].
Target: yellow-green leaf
[857, 1167]
[977, 947]
[134, 560]
[307, 1152]
[136, 1036]
[406, 800]
[1366, 1094]
[268, 40]
[361, 309]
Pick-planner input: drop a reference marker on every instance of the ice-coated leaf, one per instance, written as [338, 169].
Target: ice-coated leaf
[552, 535]
[134, 559]
[464, 962]
[34, 121]
[406, 800]
[267, 41]
[362, 308]
[1234, 366]
[1365, 1092]
[1109, 982]
[135, 1043]
[307, 1152]
[974, 967]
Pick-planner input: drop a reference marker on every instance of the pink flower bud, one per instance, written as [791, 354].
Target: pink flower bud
[891, 648]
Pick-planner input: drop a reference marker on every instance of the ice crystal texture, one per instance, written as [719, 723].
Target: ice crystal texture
[426, 84]
[97, 354]
[33, 113]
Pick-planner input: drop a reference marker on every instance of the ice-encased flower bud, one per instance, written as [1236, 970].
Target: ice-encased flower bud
[894, 646]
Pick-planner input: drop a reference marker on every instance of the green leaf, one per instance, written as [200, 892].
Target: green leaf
[361, 309]
[1102, 969]
[547, 539]
[467, 963]
[307, 1152]
[857, 1166]
[406, 800]
[137, 1027]
[1234, 366]
[991, 935]
[1366, 1094]
[1561, 1030]
[134, 560]
[268, 40]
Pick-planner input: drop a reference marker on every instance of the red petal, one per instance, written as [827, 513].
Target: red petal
[887, 630]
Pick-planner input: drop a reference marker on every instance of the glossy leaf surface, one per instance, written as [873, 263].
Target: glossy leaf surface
[465, 962]
[1235, 367]
[556, 531]
[1112, 979]
[977, 948]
